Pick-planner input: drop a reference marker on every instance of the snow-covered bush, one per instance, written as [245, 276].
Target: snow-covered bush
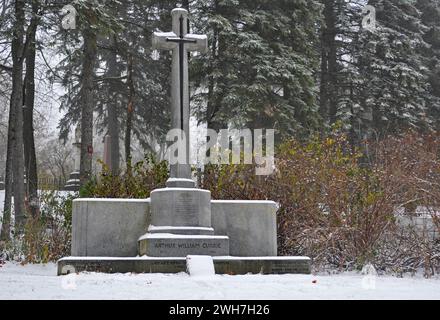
[46, 236]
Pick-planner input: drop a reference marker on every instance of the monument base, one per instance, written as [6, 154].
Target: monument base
[223, 265]
[178, 245]
[73, 184]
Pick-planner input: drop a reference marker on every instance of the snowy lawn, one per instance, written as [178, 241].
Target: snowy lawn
[41, 282]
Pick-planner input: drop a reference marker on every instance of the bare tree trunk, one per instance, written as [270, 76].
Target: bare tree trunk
[6, 223]
[17, 104]
[212, 105]
[130, 109]
[14, 177]
[28, 125]
[87, 106]
[328, 94]
[113, 124]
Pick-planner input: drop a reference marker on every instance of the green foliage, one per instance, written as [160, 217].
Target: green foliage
[136, 182]
[386, 79]
[259, 66]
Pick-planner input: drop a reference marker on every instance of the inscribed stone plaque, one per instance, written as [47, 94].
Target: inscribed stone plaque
[186, 204]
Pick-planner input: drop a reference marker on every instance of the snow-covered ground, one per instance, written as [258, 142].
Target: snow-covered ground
[41, 282]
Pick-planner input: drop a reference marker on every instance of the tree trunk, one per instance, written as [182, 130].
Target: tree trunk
[113, 124]
[28, 125]
[87, 106]
[328, 94]
[6, 223]
[130, 109]
[213, 105]
[17, 104]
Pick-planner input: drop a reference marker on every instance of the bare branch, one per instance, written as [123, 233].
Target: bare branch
[6, 68]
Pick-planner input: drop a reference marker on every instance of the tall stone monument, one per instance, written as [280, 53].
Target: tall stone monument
[156, 234]
[180, 213]
[73, 183]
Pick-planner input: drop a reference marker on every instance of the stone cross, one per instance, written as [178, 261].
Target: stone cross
[180, 42]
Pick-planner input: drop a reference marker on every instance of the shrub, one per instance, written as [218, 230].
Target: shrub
[337, 204]
[340, 210]
[47, 236]
[136, 182]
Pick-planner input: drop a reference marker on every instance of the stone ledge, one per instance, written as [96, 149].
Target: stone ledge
[223, 265]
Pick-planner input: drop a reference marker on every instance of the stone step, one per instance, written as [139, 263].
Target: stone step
[181, 230]
[223, 265]
[177, 245]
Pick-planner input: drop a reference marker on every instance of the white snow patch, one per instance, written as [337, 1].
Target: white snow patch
[244, 201]
[179, 236]
[200, 266]
[159, 228]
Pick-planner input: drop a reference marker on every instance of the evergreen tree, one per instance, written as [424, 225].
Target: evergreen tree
[430, 17]
[259, 70]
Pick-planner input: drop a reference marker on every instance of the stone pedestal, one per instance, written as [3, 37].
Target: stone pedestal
[108, 235]
[73, 184]
[181, 224]
[180, 207]
[112, 227]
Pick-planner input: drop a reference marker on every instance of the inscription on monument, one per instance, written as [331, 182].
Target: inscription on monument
[173, 245]
[185, 204]
[182, 247]
[286, 267]
[189, 245]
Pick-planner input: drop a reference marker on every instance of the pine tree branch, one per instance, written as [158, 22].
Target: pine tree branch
[48, 65]
[100, 79]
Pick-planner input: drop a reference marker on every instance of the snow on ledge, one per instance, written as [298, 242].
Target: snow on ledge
[111, 200]
[245, 201]
[179, 236]
[180, 179]
[158, 228]
[120, 258]
[292, 258]
[180, 189]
